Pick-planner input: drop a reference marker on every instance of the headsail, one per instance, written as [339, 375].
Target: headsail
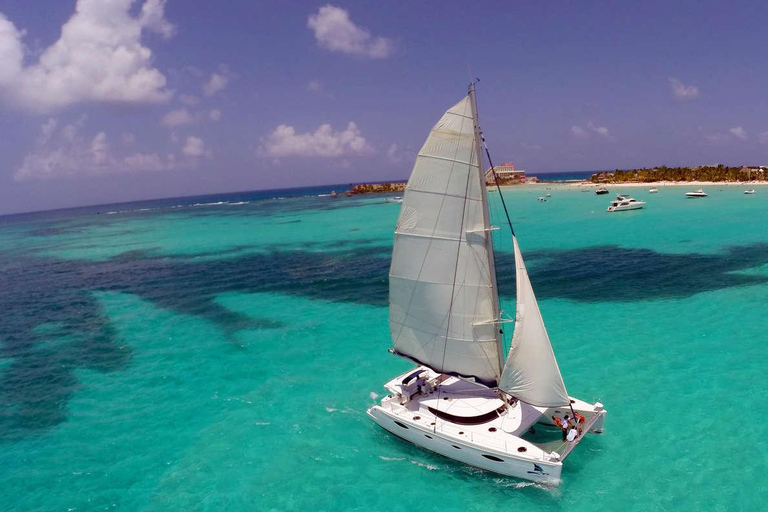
[443, 305]
[531, 373]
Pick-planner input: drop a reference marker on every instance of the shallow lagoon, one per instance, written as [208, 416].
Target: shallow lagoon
[223, 356]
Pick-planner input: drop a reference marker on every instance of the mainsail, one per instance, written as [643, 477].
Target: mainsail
[530, 371]
[443, 303]
[443, 298]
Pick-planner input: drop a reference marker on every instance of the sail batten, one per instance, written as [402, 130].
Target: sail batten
[442, 285]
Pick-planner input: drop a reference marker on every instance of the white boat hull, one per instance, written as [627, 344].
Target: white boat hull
[634, 206]
[472, 425]
[539, 471]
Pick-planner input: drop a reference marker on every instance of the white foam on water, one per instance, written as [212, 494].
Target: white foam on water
[423, 465]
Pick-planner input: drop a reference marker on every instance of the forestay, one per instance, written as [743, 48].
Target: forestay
[530, 371]
[443, 304]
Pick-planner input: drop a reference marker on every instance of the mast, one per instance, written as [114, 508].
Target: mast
[486, 218]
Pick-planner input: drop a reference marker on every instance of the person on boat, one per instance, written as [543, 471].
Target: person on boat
[573, 433]
[562, 424]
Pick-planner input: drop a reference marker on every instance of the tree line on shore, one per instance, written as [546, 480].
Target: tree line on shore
[664, 173]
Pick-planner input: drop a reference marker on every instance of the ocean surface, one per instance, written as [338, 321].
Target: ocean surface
[219, 353]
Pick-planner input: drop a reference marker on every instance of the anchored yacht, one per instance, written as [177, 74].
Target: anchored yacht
[623, 202]
[697, 193]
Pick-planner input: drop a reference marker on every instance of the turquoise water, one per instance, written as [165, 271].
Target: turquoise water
[222, 357]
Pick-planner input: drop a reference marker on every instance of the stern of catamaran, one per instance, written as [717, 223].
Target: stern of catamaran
[548, 436]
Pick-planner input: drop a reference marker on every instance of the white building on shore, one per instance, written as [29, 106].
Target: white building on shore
[505, 171]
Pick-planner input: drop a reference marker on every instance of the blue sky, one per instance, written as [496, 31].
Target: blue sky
[116, 100]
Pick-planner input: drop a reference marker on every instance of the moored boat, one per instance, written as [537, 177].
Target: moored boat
[600, 191]
[696, 193]
[624, 202]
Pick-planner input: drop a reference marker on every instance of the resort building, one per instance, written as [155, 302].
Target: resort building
[506, 171]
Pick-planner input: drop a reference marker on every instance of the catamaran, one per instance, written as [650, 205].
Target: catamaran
[464, 400]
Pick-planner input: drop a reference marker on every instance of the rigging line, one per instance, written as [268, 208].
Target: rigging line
[498, 186]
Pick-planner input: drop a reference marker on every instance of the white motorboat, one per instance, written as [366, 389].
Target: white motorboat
[601, 190]
[464, 400]
[542, 199]
[397, 199]
[697, 193]
[622, 203]
[750, 191]
[653, 190]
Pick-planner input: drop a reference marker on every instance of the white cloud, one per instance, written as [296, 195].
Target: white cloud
[214, 115]
[314, 86]
[738, 132]
[68, 153]
[583, 133]
[177, 118]
[99, 57]
[334, 31]
[196, 148]
[600, 130]
[189, 100]
[393, 154]
[682, 91]
[217, 82]
[579, 132]
[324, 142]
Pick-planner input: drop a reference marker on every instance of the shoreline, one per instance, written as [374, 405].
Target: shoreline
[590, 184]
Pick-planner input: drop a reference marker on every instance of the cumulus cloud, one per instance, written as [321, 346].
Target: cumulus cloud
[323, 143]
[217, 81]
[579, 132]
[68, 152]
[738, 132]
[335, 31]
[177, 118]
[394, 154]
[734, 132]
[214, 115]
[195, 148]
[99, 57]
[682, 91]
[583, 133]
[314, 86]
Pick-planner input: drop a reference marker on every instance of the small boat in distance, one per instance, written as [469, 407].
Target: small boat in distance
[750, 191]
[600, 191]
[653, 190]
[697, 193]
[397, 199]
[542, 199]
[623, 202]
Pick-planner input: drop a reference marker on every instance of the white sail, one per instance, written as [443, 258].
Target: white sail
[443, 304]
[530, 372]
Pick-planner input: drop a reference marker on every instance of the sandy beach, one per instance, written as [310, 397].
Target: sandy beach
[651, 184]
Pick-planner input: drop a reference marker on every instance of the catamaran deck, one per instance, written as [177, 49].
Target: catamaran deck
[468, 411]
